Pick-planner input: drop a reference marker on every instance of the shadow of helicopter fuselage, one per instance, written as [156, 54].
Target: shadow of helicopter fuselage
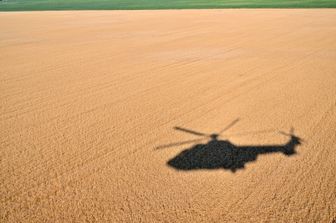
[222, 154]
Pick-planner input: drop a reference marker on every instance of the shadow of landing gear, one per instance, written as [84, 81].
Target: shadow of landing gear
[222, 154]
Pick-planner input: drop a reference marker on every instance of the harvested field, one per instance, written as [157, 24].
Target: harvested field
[94, 107]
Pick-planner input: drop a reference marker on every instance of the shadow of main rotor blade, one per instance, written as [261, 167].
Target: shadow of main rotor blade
[252, 132]
[229, 126]
[284, 133]
[190, 131]
[178, 143]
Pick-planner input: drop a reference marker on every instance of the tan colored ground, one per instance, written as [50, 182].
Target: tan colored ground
[86, 97]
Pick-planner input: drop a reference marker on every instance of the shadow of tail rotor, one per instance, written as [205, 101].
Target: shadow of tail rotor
[289, 148]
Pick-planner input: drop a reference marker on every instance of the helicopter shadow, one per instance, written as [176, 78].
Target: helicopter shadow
[223, 154]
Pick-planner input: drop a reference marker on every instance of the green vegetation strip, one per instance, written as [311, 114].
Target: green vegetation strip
[29, 5]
